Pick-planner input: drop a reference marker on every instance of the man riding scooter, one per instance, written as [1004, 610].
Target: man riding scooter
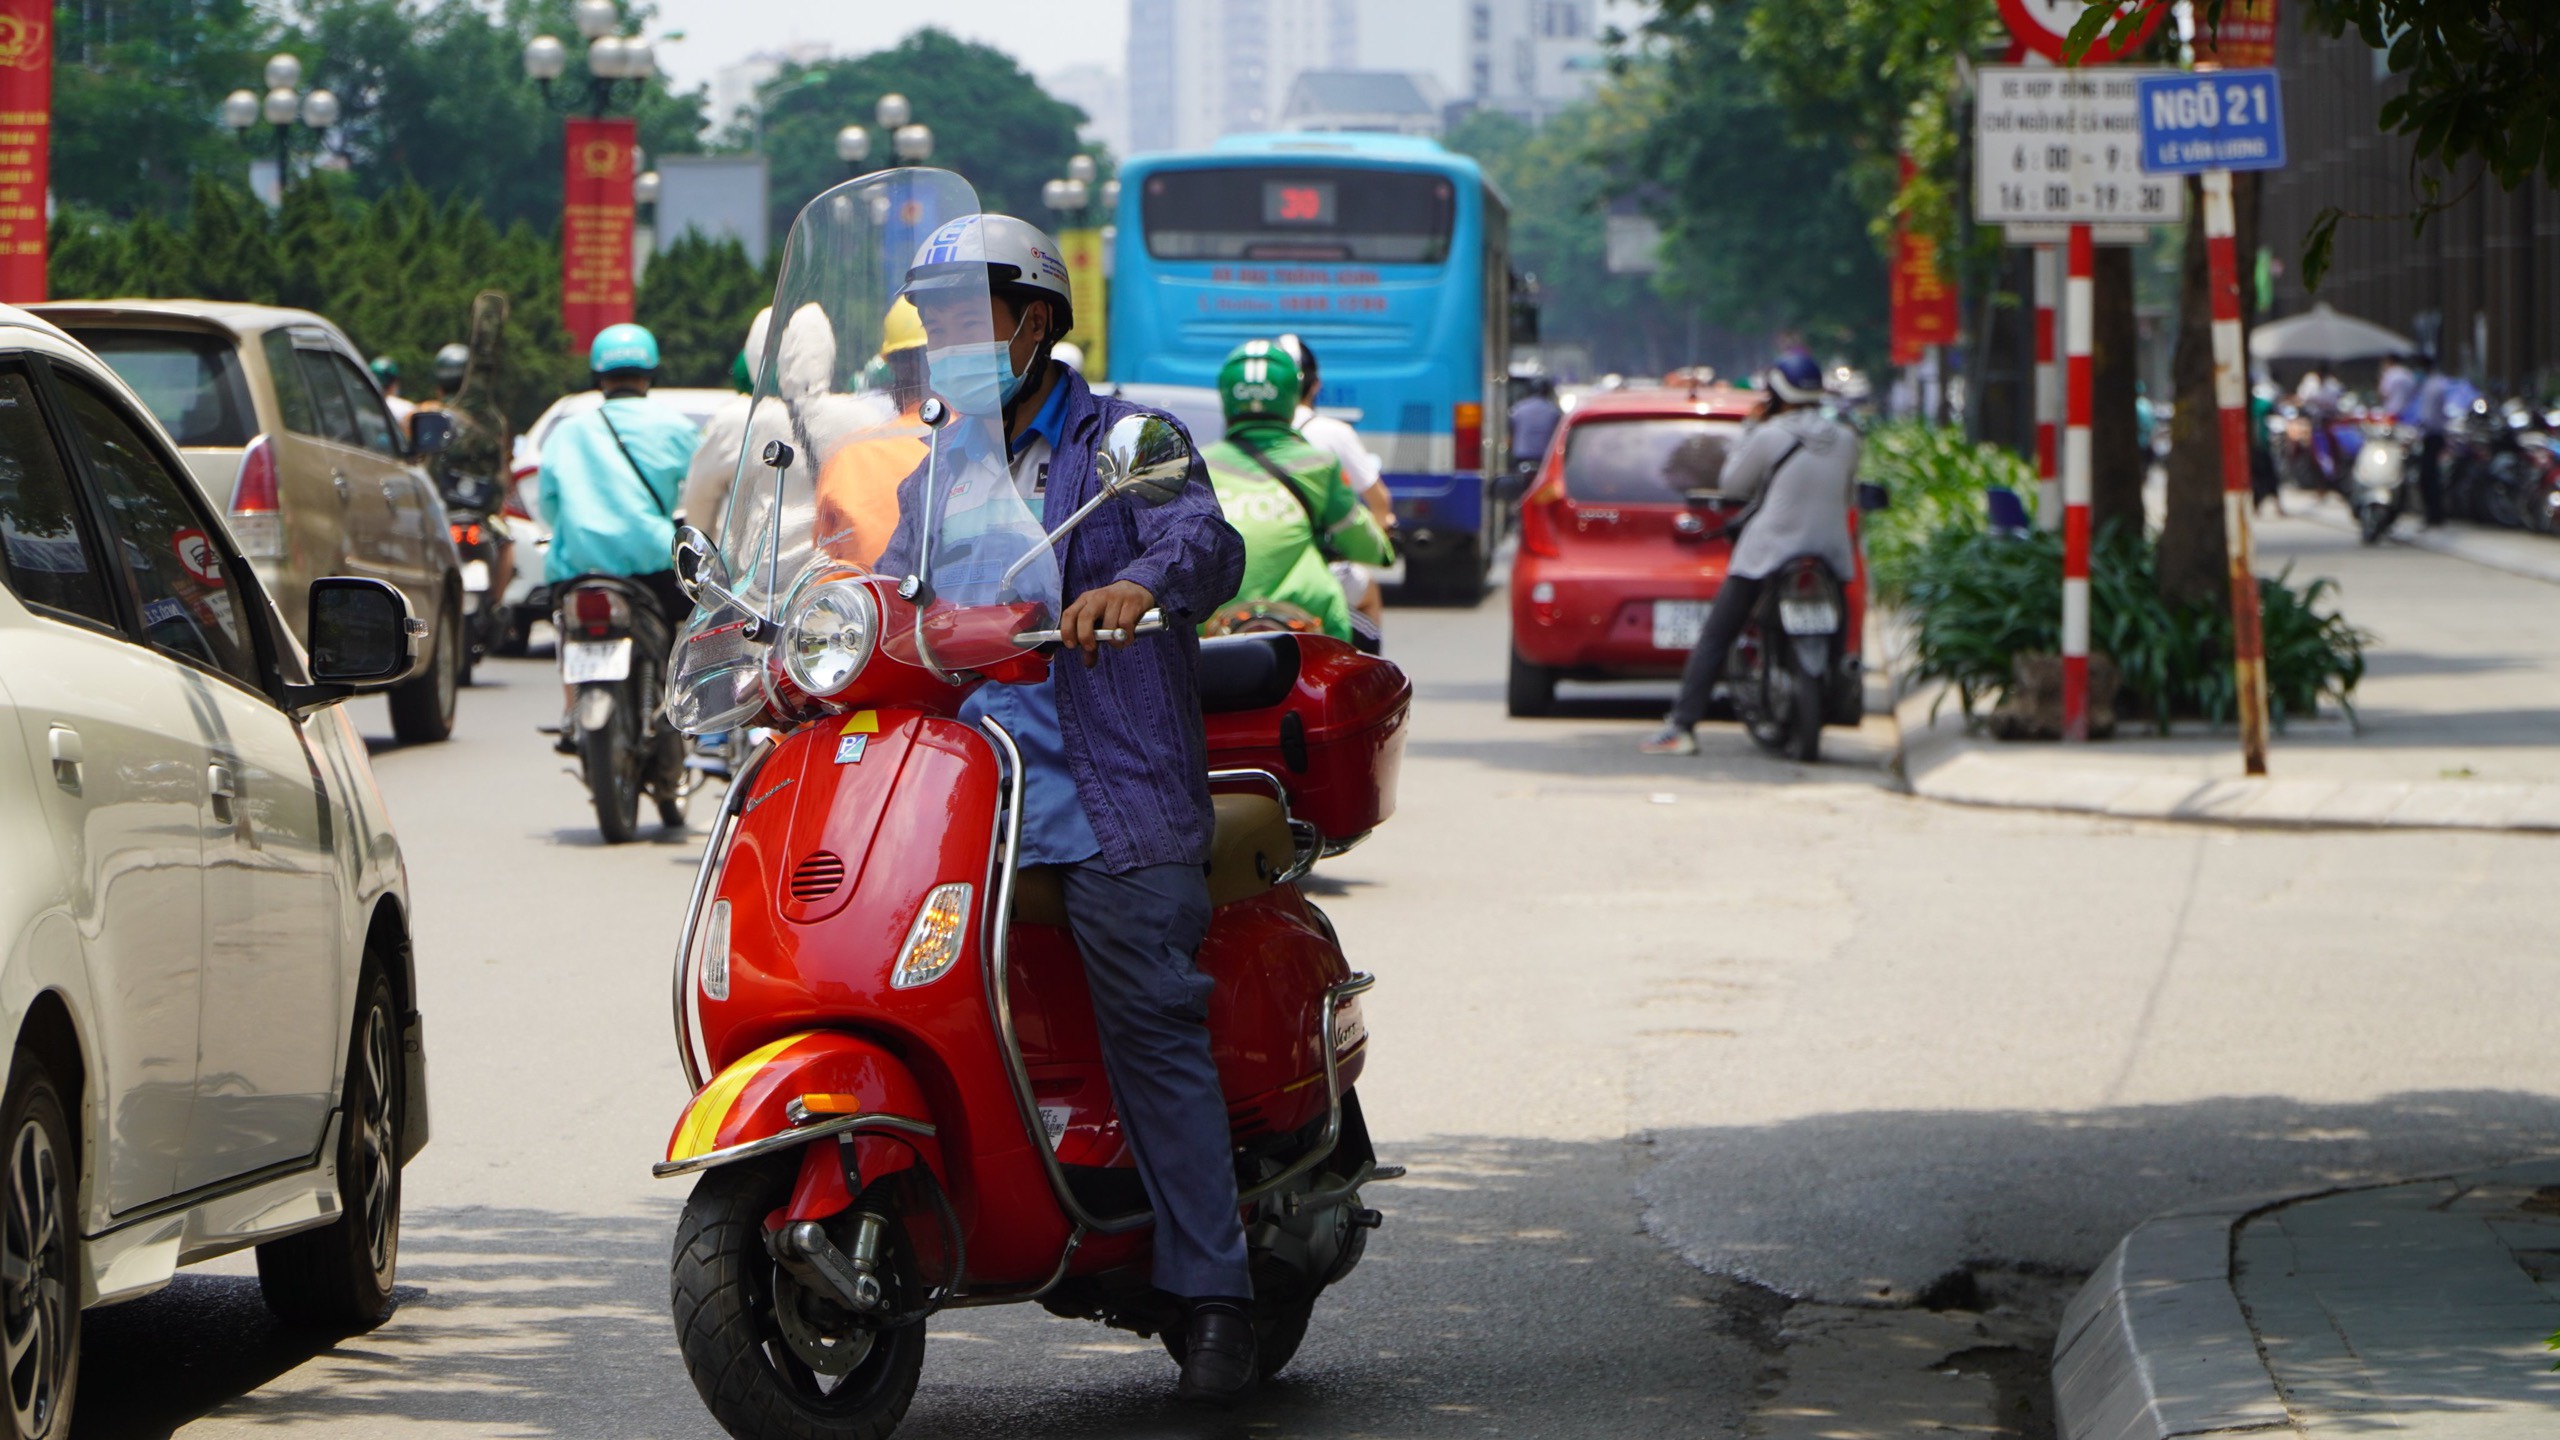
[1795, 469]
[1113, 752]
[1286, 497]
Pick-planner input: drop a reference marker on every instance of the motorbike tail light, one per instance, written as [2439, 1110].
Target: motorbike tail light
[466, 534]
[1467, 420]
[257, 514]
[933, 942]
[598, 611]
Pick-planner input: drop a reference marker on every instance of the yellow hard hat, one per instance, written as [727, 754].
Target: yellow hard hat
[903, 330]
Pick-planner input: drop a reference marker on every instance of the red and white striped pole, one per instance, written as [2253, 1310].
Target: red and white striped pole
[2079, 309]
[2048, 389]
[2231, 395]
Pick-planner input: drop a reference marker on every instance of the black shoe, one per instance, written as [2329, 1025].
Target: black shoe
[1219, 1367]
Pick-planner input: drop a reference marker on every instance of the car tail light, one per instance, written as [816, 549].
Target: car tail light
[1468, 421]
[1540, 514]
[257, 517]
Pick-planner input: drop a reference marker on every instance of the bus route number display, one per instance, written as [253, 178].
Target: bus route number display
[2065, 146]
[1297, 202]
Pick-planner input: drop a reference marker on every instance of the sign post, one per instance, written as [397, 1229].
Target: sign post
[595, 228]
[2211, 123]
[26, 144]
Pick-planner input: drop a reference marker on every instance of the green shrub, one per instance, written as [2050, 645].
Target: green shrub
[1938, 478]
[1977, 598]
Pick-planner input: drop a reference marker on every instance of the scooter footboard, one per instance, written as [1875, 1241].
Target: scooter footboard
[812, 1086]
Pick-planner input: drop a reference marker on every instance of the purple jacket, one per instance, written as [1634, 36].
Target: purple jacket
[1132, 722]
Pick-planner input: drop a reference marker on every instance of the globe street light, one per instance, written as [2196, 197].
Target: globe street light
[282, 106]
[853, 146]
[1080, 169]
[892, 111]
[645, 188]
[914, 144]
[595, 18]
[612, 57]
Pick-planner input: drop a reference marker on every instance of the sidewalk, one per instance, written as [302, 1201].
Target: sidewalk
[2459, 710]
[2417, 1309]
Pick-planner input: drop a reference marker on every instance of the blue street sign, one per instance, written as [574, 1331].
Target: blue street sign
[2216, 120]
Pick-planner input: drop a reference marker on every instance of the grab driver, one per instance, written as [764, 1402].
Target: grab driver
[1116, 792]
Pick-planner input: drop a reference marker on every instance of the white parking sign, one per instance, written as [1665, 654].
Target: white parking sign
[2065, 146]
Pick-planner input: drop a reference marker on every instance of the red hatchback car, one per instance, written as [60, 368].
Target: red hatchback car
[1621, 541]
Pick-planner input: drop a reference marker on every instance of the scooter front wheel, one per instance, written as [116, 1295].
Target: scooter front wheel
[772, 1360]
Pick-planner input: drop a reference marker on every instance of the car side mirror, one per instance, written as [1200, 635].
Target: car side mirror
[1146, 458]
[431, 432]
[362, 634]
[1873, 497]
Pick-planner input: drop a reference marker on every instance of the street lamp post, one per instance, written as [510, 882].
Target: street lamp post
[601, 197]
[853, 146]
[910, 142]
[284, 105]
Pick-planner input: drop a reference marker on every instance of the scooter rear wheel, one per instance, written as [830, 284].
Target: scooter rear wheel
[746, 1362]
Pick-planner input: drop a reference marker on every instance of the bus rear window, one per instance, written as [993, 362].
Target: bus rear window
[1644, 462]
[1381, 217]
[190, 380]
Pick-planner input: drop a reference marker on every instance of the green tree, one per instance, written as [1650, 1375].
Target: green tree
[134, 90]
[1767, 221]
[992, 123]
[699, 297]
[1558, 185]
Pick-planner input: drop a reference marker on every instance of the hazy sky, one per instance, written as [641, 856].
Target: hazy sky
[1045, 35]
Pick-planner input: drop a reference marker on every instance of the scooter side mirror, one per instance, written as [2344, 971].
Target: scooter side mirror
[695, 560]
[1145, 458]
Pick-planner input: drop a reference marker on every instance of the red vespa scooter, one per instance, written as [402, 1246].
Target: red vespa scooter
[900, 1101]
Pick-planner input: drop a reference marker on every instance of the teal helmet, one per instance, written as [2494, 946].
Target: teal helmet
[623, 347]
[385, 370]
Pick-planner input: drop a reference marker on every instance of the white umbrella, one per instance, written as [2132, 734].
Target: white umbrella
[2321, 333]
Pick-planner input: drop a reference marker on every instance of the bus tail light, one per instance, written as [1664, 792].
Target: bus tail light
[1469, 424]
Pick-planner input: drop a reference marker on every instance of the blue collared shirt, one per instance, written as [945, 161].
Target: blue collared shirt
[1054, 828]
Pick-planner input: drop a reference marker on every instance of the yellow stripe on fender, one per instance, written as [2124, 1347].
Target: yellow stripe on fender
[699, 1132]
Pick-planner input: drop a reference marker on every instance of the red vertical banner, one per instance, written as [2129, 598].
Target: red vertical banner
[595, 229]
[1924, 304]
[26, 145]
[2246, 39]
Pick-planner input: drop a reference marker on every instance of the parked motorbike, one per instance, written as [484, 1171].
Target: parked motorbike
[613, 657]
[900, 1107]
[2383, 485]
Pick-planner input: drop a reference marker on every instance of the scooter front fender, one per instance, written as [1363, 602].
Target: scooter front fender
[815, 1085]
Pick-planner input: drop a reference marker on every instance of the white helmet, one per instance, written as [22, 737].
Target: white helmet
[1015, 254]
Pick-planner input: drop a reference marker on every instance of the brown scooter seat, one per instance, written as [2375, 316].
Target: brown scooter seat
[1250, 849]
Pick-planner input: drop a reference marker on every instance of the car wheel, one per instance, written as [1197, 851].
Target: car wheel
[339, 1276]
[422, 709]
[39, 1255]
[1532, 690]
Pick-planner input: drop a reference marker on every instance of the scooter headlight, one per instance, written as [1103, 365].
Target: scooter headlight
[828, 637]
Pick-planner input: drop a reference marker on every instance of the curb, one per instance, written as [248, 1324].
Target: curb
[2156, 1345]
[1939, 762]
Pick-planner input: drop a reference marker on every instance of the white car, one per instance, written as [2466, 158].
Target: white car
[206, 974]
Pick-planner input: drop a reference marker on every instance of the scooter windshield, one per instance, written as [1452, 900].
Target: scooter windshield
[872, 444]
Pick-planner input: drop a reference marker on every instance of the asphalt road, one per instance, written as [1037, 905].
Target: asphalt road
[1707, 1071]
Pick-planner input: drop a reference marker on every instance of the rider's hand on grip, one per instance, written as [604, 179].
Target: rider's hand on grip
[1110, 615]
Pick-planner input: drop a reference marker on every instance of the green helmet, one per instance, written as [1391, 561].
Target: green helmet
[1258, 379]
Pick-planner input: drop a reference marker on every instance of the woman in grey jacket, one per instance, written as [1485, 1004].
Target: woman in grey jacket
[1798, 470]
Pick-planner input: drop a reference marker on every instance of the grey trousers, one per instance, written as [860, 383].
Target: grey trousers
[1139, 931]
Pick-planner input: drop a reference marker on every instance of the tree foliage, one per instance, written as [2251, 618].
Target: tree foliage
[1558, 185]
[1768, 209]
[698, 297]
[991, 122]
[433, 93]
[2477, 87]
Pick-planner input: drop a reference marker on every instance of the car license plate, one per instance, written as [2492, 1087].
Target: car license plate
[1676, 623]
[594, 662]
[475, 575]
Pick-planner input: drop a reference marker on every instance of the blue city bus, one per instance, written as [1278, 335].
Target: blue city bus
[1390, 257]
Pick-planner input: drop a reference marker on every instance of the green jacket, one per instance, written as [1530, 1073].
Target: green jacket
[1282, 560]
